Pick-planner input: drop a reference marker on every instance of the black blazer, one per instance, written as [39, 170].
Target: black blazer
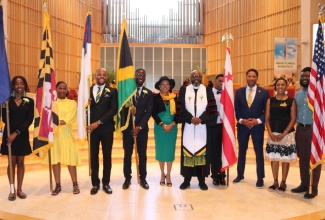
[105, 109]
[144, 109]
[159, 106]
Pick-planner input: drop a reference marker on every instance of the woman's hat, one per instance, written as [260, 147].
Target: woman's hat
[171, 82]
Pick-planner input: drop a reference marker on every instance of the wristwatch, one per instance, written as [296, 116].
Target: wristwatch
[99, 122]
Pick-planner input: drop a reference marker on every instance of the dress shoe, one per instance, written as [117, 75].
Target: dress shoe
[94, 190]
[300, 189]
[238, 179]
[22, 195]
[215, 182]
[312, 195]
[259, 183]
[107, 189]
[144, 184]
[203, 186]
[12, 197]
[184, 185]
[222, 181]
[126, 184]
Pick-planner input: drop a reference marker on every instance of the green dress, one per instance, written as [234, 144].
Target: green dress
[165, 141]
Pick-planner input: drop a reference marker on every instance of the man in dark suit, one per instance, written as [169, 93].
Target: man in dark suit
[143, 103]
[103, 107]
[250, 103]
[216, 138]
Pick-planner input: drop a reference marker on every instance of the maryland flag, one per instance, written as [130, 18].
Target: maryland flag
[46, 116]
[126, 86]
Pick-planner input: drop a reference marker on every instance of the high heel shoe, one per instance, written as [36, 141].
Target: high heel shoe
[282, 187]
[163, 183]
[169, 184]
[274, 187]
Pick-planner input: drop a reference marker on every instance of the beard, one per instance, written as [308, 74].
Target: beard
[196, 83]
[304, 85]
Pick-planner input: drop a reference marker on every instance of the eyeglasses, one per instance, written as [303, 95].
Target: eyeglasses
[140, 74]
[196, 76]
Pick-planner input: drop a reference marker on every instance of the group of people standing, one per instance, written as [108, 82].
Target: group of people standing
[280, 113]
[195, 108]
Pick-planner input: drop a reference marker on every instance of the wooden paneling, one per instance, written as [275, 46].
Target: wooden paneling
[67, 29]
[254, 25]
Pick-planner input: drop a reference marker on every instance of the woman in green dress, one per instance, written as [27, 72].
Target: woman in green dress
[165, 127]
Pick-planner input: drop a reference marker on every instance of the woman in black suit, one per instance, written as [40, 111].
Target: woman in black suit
[21, 115]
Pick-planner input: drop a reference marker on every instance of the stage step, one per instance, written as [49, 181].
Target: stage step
[33, 162]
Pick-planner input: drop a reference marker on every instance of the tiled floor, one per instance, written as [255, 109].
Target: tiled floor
[238, 201]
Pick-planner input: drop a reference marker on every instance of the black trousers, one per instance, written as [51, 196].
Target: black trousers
[128, 142]
[216, 149]
[303, 144]
[106, 139]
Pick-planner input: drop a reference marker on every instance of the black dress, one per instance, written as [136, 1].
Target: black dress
[21, 117]
[280, 116]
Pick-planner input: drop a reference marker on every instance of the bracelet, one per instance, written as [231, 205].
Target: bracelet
[17, 131]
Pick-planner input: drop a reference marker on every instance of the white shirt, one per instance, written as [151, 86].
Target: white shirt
[217, 98]
[95, 90]
[254, 88]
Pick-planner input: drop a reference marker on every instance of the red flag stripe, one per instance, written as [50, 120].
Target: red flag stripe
[227, 116]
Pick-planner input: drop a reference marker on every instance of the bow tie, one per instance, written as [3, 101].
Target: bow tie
[218, 92]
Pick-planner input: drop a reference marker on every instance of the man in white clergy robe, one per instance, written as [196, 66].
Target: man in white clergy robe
[197, 111]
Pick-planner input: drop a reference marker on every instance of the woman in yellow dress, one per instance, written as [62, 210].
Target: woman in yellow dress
[65, 149]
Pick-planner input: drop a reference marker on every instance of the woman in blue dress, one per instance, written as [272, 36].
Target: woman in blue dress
[165, 126]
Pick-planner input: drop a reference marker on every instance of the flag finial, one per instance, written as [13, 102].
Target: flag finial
[321, 7]
[44, 5]
[227, 37]
[89, 3]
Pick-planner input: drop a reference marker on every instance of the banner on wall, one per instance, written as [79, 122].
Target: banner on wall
[285, 59]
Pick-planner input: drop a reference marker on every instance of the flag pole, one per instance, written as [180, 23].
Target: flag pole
[50, 169]
[88, 133]
[11, 179]
[49, 151]
[311, 182]
[136, 150]
[227, 37]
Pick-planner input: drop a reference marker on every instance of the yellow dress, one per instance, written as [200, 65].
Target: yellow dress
[65, 149]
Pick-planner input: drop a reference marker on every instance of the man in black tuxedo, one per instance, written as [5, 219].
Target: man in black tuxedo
[216, 138]
[250, 104]
[143, 103]
[103, 108]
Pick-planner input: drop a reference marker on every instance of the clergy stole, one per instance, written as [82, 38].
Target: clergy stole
[195, 136]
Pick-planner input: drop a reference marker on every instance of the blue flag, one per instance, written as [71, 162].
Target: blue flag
[4, 70]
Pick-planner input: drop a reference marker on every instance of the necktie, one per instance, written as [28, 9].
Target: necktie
[137, 96]
[250, 97]
[98, 95]
[136, 99]
[218, 92]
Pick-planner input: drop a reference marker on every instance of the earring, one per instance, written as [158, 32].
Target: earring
[13, 94]
[24, 93]
[286, 92]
